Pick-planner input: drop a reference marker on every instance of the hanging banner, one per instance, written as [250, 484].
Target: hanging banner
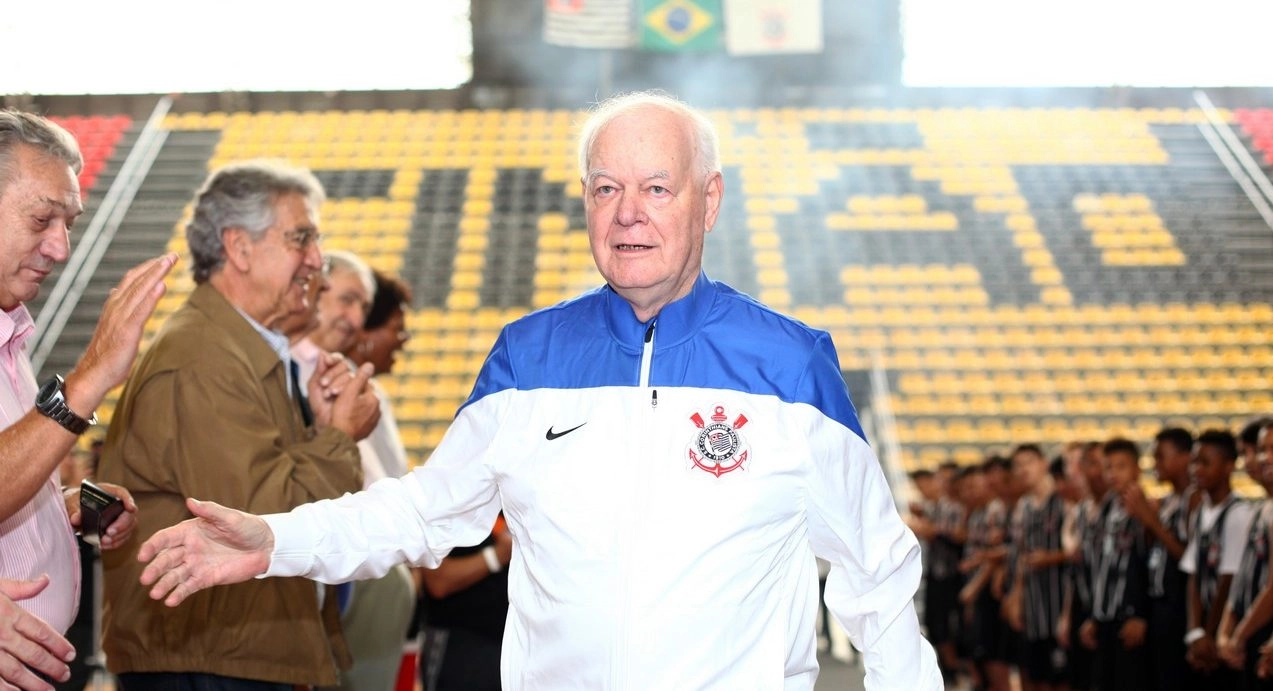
[758, 27]
[674, 25]
[589, 23]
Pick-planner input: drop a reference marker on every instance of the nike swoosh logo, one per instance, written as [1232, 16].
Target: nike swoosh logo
[551, 435]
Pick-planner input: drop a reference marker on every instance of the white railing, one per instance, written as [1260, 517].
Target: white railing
[887, 447]
[1236, 159]
[98, 236]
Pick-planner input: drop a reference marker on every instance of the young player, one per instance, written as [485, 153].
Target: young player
[1168, 526]
[1038, 590]
[1248, 619]
[1119, 581]
[1213, 554]
[983, 560]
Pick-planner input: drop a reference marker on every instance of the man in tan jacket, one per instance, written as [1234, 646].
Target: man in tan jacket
[213, 409]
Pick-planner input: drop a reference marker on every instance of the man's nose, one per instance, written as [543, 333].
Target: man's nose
[630, 211]
[314, 256]
[58, 245]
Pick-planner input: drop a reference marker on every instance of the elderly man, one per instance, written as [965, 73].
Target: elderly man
[670, 456]
[39, 567]
[335, 319]
[378, 611]
[210, 411]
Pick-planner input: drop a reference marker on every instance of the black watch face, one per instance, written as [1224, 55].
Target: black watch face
[46, 391]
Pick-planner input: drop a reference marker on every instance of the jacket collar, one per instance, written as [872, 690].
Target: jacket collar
[677, 321]
[260, 355]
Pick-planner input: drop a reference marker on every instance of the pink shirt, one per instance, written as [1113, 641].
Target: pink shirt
[38, 538]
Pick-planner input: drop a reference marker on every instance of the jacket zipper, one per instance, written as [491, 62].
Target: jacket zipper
[619, 665]
[647, 355]
[647, 359]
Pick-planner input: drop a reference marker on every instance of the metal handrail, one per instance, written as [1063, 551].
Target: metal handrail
[101, 231]
[890, 450]
[1235, 144]
[1235, 158]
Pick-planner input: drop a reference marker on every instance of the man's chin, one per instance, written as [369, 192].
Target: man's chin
[23, 293]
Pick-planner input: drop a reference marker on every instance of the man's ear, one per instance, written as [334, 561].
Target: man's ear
[713, 191]
[238, 248]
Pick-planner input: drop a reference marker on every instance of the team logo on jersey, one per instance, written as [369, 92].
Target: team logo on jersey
[718, 448]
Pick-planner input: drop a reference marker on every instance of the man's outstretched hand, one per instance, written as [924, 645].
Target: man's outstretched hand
[219, 546]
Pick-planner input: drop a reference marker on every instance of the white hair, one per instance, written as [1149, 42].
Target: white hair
[348, 261]
[707, 151]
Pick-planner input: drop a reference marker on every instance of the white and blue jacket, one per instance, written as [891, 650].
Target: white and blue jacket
[667, 485]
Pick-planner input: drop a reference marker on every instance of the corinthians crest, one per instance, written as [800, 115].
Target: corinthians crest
[718, 448]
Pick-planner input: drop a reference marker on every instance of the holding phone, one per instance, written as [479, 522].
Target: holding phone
[98, 509]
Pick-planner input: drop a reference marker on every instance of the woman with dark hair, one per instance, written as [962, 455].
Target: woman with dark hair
[384, 332]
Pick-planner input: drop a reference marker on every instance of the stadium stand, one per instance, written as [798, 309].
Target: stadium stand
[1022, 274]
[98, 135]
[1257, 124]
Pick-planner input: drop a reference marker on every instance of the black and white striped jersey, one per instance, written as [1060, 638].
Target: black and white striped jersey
[985, 528]
[1044, 588]
[1165, 577]
[1120, 576]
[944, 554]
[1253, 574]
[1087, 527]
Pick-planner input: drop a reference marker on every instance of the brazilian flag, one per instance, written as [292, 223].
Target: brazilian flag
[671, 25]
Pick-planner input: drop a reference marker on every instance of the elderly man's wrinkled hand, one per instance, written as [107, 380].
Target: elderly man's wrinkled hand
[27, 642]
[219, 546]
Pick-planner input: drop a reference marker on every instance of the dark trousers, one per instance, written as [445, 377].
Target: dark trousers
[193, 681]
[458, 660]
[80, 634]
[941, 609]
[1078, 659]
[1250, 680]
[1222, 677]
[1114, 667]
[1167, 647]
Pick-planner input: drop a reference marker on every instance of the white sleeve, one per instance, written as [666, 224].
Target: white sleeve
[875, 561]
[1237, 524]
[1190, 557]
[449, 502]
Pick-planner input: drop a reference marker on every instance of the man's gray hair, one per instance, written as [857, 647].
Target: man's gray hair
[342, 260]
[707, 149]
[242, 195]
[17, 128]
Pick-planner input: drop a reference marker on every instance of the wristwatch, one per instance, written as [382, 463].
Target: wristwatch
[492, 560]
[1194, 635]
[51, 401]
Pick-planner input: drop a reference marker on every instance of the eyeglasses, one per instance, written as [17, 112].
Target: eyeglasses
[302, 238]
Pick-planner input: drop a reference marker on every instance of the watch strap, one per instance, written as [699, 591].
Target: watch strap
[52, 403]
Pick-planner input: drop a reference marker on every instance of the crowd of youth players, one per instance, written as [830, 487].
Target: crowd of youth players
[1067, 572]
